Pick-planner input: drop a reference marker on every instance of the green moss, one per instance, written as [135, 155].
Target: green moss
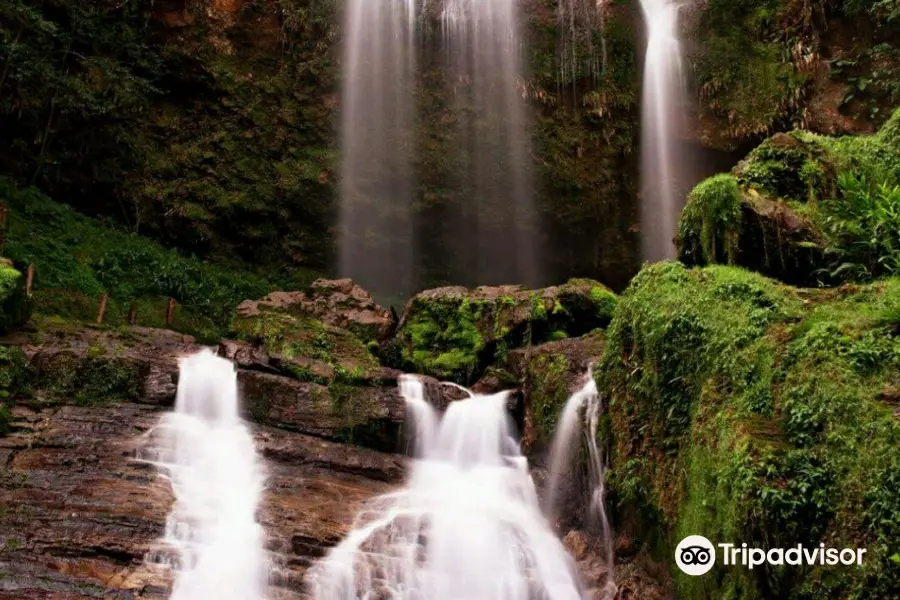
[711, 220]
[5, 419]
[746, 411]
[442, 337]
[89, 379]
[549, 392]
[14, 304]
[296, 336]
[825, 207]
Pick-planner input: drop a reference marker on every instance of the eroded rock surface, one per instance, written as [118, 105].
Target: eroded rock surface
[80, 512]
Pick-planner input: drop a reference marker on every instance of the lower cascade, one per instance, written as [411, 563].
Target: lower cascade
[208, 455]
[581, 417]
[467, 525]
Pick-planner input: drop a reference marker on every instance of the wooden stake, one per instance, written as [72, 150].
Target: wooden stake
[226, 317]
[170, 312]
[101, 311]
[132, 314]
[29, 278]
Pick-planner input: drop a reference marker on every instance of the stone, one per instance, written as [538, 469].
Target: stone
[337, 302]
[576, 542]
[455, 333]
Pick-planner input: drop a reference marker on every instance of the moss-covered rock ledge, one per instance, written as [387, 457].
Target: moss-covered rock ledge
[456, 333]
[748, 411]
[802, 208]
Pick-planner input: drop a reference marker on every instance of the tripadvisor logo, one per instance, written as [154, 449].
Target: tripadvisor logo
[695, 555]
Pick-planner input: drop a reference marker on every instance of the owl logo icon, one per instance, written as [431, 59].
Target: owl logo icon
[695, 555]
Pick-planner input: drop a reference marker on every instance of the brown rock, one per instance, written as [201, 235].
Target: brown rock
[80, 513]
[576, 542]
[338, 302]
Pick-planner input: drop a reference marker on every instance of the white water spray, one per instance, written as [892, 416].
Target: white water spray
[208, 455]
[467, 525]
[661, 115]
[581, 417]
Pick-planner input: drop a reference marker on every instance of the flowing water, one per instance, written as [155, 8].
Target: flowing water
[580, 419]
[661, 115]
[212, 539]
[493, 236]
[377, 111]
[467, 525]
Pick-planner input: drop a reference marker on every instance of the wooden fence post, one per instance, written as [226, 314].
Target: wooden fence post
[132, 314]
[226, 317]
[101, 311]
[170, 312]
[29, 278]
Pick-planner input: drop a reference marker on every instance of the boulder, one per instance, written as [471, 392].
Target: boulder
[723, 223]
[549, 374]
[455, 333]
[89, 365]
[337, 302]
[371, 416]
[302, 344]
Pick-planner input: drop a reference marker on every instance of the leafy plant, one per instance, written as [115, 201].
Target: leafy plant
[864, 227]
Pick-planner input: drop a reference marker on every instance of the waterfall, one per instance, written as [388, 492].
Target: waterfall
[581, 418]
[208, 455]
[660, 121]
[494, 236]
[466, 525]
[376, 176]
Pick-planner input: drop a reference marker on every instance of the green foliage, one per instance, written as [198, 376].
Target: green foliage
[863, 226]
[85, 257]
[711, 220]
[178, 135]
[744, 411]
[828, 207]
[743, 66]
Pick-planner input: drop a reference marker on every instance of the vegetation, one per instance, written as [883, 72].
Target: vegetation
[177, 131]
[752, 412]
[827, 209]
[14, 305]
[77, 259]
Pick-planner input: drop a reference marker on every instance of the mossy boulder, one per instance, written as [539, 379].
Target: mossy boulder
[311, 349]
[548, 374]
[455, 333]
[802, 208]
[14, 304]
[748, 411]
[724, 223]
[337, 302]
